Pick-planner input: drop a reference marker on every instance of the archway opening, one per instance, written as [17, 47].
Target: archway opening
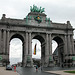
[15, 53]
[39, 56]
[58, 54]
[54, 46]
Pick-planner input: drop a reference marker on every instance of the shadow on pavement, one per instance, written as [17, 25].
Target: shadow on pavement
[32, 71]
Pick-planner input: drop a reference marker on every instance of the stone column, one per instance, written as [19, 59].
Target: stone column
[7, 48]
[65, 47]
[30, 44]
[50, 45]
[47, 45]
[25, 48]
[4, 41]
[69, 44]
[30, 48]
[26, 51]
[0, 42]
[72, 44]
[23, 55]
[8, 42]
[47, 51]
[50, 51]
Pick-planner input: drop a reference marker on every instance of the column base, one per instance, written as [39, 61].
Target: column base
[48, 61]
[28, 61]
[4, 59]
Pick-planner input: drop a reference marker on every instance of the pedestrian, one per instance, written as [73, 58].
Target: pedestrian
[36, 68]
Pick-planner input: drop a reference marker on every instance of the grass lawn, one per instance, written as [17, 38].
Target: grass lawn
[69, 71]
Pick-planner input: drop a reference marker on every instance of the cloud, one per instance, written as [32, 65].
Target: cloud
[58, 11]
[16, 48]
[54, 45]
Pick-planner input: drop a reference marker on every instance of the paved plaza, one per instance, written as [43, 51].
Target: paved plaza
[45, 71]
[3, 71]
[32, 71]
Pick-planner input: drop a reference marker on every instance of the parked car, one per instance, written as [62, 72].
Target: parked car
[8, 67]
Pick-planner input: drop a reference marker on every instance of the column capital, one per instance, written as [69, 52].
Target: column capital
[46, 33]
[30, 32]
[65, 34]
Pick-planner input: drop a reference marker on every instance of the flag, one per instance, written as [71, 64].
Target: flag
[35, 49]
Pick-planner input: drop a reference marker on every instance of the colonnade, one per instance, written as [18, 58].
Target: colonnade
[5, 41]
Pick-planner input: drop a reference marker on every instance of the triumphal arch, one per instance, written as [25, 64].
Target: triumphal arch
[36, 25]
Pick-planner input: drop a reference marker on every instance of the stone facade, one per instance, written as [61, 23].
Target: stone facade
[28, 28]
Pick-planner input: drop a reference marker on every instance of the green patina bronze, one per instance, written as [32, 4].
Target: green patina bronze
[38, 19]
[30, 17]
[36, 9]
[26, 19]
[0, 57]
[48, 20]
[28, 59]
[50, 58]
[73, 58]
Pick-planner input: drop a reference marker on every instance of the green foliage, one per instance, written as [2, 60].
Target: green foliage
[69, 71]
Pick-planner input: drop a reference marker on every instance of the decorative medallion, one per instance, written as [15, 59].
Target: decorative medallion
[38, 18]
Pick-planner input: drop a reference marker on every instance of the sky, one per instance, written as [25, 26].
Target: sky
[59, 11]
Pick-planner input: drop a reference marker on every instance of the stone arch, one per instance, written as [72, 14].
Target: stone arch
[39, 37]
[16, 35]
[60, 50]
[28, 29]
[58, 39]
[42, 40]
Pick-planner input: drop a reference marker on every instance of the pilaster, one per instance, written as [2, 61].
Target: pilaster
[4, 41]
[47, 45]
[0, 42]
[26, 52]
[46, 51]
[30, 44]
[72, 44]
[50, 44]
[8, 42]
[65, 47]
[69, 44]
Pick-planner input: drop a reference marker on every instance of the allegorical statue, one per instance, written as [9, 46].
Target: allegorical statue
[36, 9]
